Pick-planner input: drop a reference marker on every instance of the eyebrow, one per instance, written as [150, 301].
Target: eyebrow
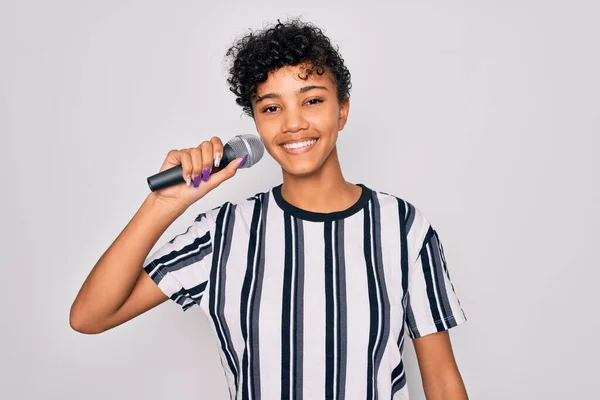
[277, 95]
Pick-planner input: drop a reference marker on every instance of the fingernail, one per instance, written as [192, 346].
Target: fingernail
[205, 174]
[188, 180]
[217, 160]
[243, 161]
[196, 181]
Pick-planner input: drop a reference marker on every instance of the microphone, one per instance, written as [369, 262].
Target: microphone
[237, 147]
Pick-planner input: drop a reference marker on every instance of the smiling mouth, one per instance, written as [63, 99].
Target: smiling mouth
[299, 147]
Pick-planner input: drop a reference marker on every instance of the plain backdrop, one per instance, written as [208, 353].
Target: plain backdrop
[484, 114]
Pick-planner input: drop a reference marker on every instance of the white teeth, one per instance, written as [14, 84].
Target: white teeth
[299, 145]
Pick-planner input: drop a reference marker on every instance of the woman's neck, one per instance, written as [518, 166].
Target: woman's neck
[324, 191]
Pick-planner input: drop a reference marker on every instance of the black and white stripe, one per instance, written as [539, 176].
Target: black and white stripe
[180, 257]
[433, 271]
[335, 311]
[449, 281]
[250, 301]
[378, 297]
[399, 373]
[406, 214]
[218, 280]
[292, 312]
[342, 328]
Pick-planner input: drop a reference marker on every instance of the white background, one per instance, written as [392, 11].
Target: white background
[485, 115]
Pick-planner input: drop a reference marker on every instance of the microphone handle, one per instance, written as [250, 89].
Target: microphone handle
[173, 176]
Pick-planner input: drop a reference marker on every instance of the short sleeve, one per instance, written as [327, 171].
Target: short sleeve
[432, 304]
[181, 267]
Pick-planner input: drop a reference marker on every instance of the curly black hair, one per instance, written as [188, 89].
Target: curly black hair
[293, 42]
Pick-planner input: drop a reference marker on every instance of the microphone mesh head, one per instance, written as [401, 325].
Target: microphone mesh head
[247, 144]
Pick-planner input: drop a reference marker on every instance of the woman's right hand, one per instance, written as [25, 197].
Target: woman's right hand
[196, 164]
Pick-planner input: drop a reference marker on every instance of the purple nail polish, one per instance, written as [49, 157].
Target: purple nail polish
[196, 181]
[243, 161]
[205, 174]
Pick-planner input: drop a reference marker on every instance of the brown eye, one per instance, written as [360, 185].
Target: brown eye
[314, 101]
[270, 109]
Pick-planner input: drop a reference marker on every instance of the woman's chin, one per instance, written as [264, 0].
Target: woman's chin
[301, 170]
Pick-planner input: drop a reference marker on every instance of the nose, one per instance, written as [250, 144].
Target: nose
[293, 120]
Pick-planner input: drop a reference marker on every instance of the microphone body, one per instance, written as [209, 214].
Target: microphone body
[237, 147]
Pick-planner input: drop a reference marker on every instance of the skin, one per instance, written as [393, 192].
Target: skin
[439, 373]
[286, 109]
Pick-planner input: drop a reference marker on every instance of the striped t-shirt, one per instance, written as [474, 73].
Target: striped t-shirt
[308, 305]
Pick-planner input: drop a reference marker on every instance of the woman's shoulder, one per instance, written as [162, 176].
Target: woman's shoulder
[406, 208]
[387, 198]
[247, 203]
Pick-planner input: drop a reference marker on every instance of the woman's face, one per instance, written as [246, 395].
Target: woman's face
[298, 119]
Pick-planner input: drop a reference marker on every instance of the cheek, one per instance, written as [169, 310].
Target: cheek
[325, 119]
[267, 130]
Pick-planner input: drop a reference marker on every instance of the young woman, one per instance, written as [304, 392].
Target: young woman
[310, 286]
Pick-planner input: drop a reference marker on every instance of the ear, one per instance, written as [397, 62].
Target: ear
[343, 114]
